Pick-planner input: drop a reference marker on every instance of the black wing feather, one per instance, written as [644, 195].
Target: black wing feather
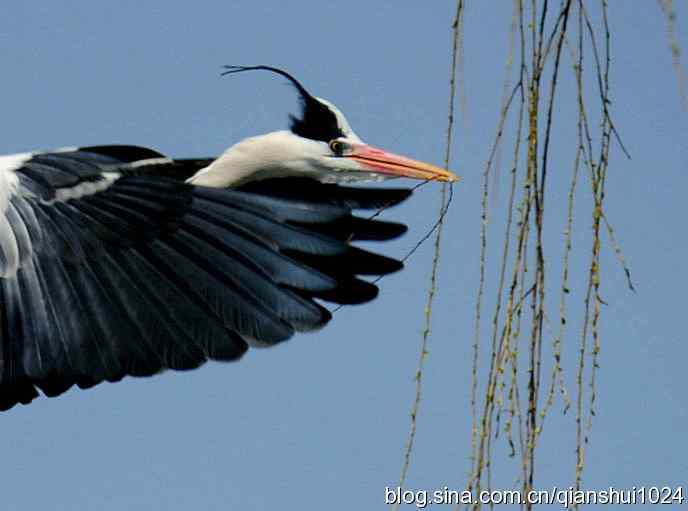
[134, 275]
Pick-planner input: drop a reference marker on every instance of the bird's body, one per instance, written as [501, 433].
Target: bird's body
[116, 260]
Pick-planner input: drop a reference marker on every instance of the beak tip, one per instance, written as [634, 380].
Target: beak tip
[451, 177]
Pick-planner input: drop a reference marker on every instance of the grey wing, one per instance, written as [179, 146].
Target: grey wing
[109, 269]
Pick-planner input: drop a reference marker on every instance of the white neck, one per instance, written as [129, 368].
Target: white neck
[276, 154]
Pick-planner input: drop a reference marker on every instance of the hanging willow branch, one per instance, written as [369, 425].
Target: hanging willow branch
[667, 7]
[523, 344]
[444, 202]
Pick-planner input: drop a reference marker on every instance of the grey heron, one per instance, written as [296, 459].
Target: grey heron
[117, 260]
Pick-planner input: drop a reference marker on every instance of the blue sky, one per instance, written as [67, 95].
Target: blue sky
[321, 421]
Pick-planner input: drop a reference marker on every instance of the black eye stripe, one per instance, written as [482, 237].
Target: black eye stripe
[317, 121]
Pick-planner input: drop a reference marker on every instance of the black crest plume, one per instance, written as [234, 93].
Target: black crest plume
[317, 121]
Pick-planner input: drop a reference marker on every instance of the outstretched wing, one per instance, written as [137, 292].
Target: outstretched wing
[108, 268]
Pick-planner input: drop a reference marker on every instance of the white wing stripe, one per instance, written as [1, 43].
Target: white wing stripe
[87, 188]
[9, 251]
[11, 162]
[21, 233]
[9, 182]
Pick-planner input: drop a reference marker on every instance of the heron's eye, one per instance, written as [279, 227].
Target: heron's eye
[337, 147]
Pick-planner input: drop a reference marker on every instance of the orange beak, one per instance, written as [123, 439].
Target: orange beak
[382, 162]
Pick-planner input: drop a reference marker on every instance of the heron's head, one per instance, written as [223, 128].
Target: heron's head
[320, 144]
